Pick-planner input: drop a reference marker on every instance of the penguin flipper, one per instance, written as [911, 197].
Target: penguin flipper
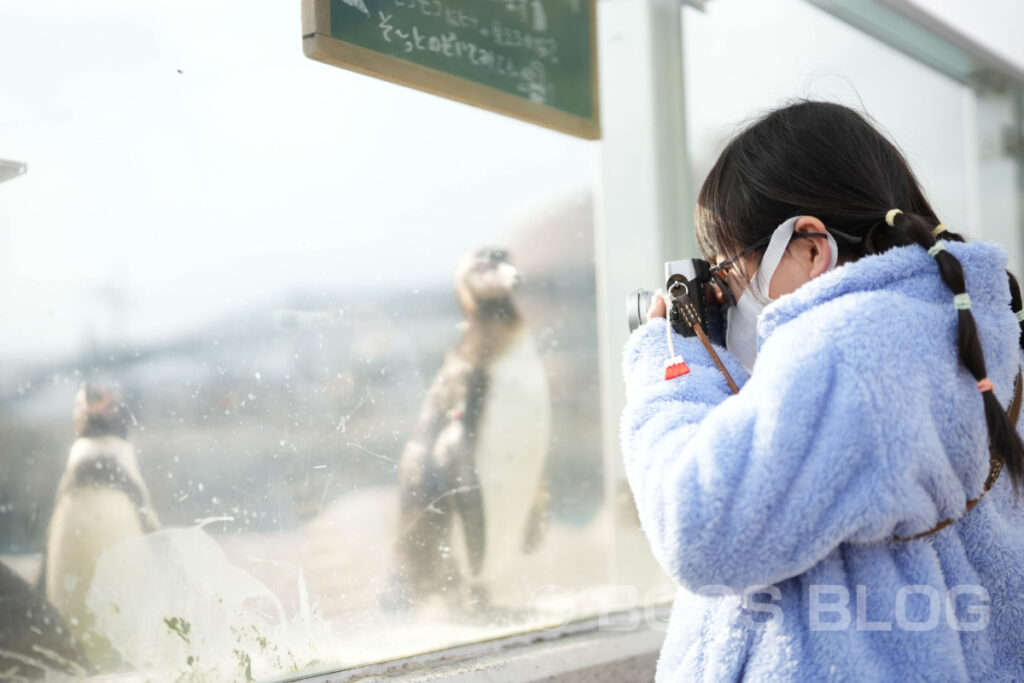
[470, 503]
[455, 451]
[539, 520]
[423, 526]
[150, 520]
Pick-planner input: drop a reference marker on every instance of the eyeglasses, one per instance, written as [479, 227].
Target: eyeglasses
[721, 271]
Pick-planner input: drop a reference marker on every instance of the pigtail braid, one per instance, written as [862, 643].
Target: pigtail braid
[1016, 301]
[1006, 444]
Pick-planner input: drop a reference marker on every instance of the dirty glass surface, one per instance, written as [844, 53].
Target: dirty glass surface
[228, 281]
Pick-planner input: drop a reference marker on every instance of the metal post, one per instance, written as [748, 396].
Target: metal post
[995, 144]
[644, 215]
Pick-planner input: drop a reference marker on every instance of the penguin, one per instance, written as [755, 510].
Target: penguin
[101, 501]
[471, 477]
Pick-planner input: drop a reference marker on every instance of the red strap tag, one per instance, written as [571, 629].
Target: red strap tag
[675, 367]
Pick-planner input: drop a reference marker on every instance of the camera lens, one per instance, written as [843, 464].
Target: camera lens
[637, 303]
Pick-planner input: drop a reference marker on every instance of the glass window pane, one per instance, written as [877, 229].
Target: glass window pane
[242, 262]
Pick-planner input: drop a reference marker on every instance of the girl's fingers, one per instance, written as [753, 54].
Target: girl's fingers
[657, 308]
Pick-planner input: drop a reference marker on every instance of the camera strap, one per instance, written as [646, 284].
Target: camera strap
[675, 366]
[995, 466]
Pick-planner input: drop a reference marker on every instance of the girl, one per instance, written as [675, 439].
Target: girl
[850, 513]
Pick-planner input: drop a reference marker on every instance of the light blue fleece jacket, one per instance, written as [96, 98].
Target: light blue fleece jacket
[857, 422]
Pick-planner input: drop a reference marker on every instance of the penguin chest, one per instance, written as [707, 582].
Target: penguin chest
[86, 522]
[511, 444]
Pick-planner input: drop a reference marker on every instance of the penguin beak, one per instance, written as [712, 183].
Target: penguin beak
[508, 276]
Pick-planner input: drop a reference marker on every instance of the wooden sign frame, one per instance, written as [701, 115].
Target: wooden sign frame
[318, 44]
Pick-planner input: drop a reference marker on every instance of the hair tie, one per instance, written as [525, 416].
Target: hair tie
[1020, 316]
[939, 229]
[962, 302]
[985, 385]
[890, 217]
[936, 248]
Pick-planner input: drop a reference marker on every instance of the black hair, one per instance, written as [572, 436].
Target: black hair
[827, 160]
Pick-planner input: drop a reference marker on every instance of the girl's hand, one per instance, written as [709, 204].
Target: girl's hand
[715, 328]
[657, 308]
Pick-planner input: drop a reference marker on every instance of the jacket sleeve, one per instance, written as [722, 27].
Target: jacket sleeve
[753, 488]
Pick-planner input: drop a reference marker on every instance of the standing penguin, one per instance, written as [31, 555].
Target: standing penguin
[478, 452]
[101, 500]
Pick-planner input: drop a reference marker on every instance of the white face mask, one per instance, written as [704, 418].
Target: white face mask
[741, 319]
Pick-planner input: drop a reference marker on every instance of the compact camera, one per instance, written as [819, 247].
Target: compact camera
[686, 281]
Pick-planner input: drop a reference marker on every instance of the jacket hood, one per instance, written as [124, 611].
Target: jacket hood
[907, 270]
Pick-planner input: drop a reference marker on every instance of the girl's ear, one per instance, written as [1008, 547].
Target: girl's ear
[816, 253]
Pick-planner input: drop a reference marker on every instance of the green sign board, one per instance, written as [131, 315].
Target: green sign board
[535, 60]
